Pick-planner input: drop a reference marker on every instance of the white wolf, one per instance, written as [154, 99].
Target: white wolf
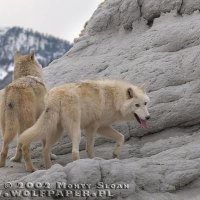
[89, 105]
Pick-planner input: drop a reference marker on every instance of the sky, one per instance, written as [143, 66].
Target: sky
[61, 18]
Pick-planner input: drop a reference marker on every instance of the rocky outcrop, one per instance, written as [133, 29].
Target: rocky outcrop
[164, 56]
[151, 41]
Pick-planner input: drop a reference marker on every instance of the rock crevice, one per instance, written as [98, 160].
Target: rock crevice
[142, 41]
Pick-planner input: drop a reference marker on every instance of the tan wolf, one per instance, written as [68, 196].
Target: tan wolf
[26, 65]
[22, 102]
[89, 105]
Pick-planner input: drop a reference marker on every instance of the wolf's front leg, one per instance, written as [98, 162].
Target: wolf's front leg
[47, 157]
[90, 133]
[114, 135]
[75, 135]
[71, 122]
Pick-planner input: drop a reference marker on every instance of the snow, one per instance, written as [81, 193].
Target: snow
[136, 41]
[3, 30]
[39, 57]
[10, 68]
[21, 40]
[14, 39]
[3, 74]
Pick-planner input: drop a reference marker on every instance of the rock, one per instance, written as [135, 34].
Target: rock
[156, 42]
[112, 14]
[153, 8]
[189, 6]
[164, 172]
[164, 56]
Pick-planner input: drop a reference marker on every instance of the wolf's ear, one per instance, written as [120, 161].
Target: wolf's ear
[32, 55]
[142, 87]
[130, 93]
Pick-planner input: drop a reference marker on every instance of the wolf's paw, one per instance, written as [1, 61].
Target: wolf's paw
[115, 155]
[75, 155]
[2, 164]
[53, 156]
[31, 169]
[14, 159]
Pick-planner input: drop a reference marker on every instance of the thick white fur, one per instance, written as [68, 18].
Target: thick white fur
[89, 105]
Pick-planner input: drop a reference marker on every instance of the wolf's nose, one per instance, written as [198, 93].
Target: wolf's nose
[147, 117]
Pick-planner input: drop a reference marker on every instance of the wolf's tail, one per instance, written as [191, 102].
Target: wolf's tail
[46, 124]
[9, 113]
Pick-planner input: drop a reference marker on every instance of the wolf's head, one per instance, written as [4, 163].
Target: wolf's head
[25, 59]
[26, 65]
[136, 105]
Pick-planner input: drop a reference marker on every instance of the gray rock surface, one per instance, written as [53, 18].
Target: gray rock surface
[151, 41]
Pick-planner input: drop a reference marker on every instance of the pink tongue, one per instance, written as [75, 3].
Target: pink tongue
[143, 124]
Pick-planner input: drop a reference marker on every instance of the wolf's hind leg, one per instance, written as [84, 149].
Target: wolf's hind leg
[7, 138]
[50, 140]
[18, 154]
[28, 118]
[53, 156]
[27, 159]
[114, 135]
[71, 122]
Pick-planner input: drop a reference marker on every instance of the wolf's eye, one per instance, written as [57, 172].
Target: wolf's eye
[137, 105]
[145, 103]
